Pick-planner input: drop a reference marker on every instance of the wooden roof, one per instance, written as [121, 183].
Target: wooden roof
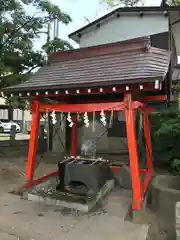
[109, 65]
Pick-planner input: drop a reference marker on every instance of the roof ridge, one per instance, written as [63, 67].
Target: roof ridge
[105, 49]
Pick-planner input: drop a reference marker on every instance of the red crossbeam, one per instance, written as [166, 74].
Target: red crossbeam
[159, 98]
[89, 107]
[92, 107]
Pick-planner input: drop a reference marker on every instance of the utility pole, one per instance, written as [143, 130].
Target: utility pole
[2, 8]
[50, 131]
[50, 126]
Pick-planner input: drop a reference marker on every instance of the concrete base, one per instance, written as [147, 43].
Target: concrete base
[123, 177]
[68, 202]
[162, 200]
[165, 193]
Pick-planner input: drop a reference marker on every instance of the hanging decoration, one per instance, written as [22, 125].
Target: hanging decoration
[86, 120]
[53, 115]
[94, 122]
[111, 119]
[78, 117]
[69, 119]
[62, 121]
[27, 105]
[119, 116]
[103, 118]
[43, 115]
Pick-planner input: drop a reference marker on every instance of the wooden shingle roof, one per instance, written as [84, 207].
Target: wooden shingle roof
[126, 62]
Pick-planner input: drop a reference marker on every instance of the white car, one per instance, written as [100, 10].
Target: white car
[5, 126]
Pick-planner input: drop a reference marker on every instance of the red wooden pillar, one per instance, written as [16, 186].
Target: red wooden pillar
[33, 143]
[147, 133]
[133, 154]
[74, 139]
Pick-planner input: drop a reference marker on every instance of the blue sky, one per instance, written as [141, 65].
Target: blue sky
[79, 10]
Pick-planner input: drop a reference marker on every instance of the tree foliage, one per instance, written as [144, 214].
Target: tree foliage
[125, 3]
[56, 44]
[166, 136]
[18, 30]
[173, 2]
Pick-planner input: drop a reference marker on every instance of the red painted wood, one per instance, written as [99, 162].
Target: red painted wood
[133, 155]
[136, 105]
[31, 162]
[89, 107]
[128, 106]
[115, 169]
[147, 134]
[155, 98]
[147, 178]
[39, 180]
[81, 108]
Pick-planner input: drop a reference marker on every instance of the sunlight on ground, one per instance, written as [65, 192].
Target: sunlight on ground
[4, 138]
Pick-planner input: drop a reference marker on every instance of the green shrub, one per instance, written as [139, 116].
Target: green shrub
[166, 136]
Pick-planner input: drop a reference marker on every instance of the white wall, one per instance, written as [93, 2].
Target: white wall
[124, 28]
[18, 115]
[3, 114]
[2, 101]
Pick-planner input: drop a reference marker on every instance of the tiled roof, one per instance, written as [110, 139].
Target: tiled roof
[114, 64]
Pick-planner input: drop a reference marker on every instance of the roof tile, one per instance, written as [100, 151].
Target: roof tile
[125, 65]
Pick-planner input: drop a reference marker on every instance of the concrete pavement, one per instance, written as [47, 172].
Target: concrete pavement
[24, 220]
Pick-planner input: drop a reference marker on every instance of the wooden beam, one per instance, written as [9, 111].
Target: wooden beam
[39, 180]
[89, 107]
[133, 154]
[147, 134]
[159, 98]
[81, 108]
[101, 90]
[33, 143]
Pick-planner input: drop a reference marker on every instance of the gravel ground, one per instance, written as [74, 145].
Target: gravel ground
[156, 233]
[23, 220]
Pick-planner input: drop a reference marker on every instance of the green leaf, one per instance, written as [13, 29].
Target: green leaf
[18, 30]
[126, 3]
[57, 45]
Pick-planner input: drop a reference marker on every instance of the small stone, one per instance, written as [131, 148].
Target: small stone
[40, 215]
